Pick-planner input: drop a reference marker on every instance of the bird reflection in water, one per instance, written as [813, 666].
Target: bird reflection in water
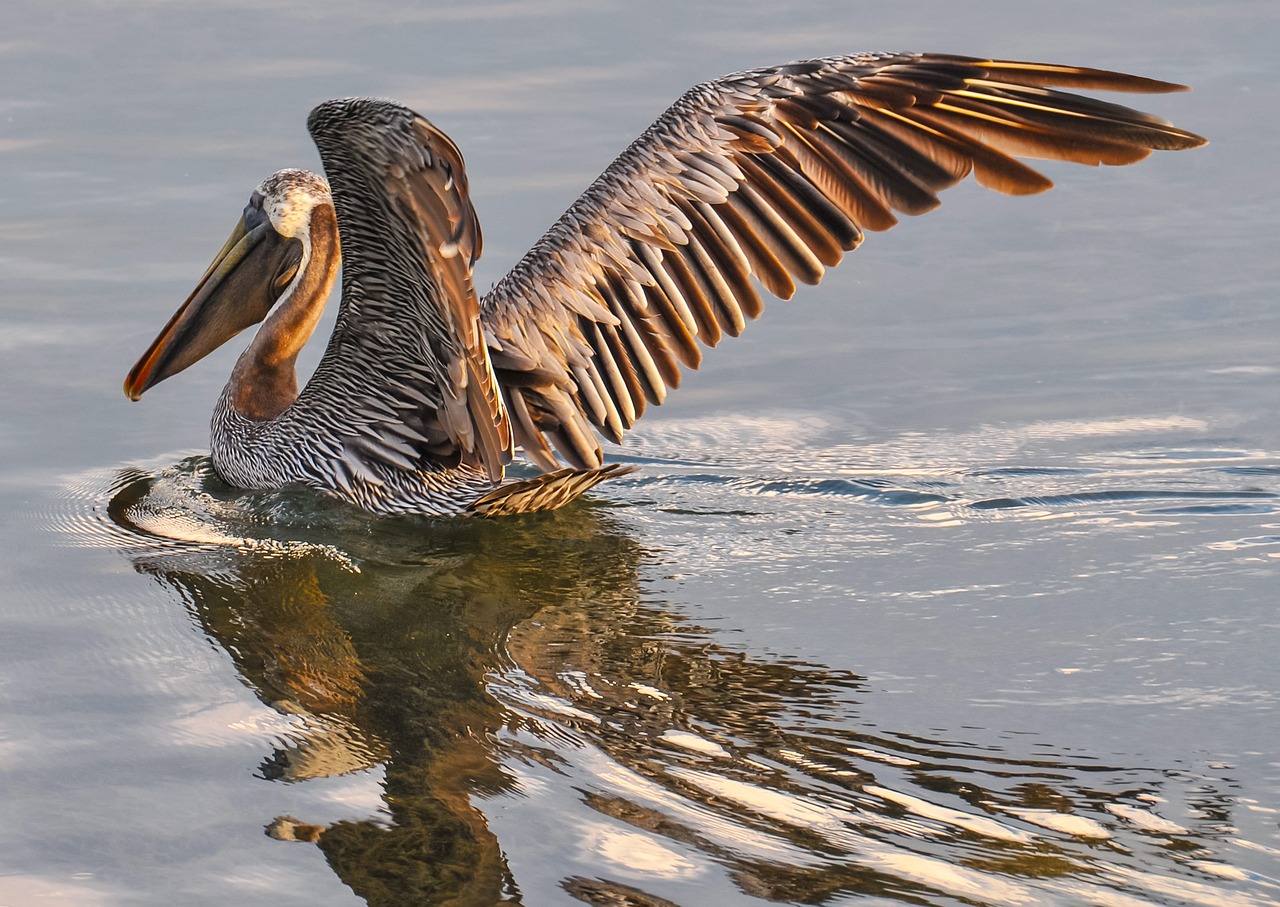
[469, 659]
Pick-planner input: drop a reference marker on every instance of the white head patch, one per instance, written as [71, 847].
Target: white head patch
[289, 197]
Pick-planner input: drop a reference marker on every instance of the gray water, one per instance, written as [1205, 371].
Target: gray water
[952, 582]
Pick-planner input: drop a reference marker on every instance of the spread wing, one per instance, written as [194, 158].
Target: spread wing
[762, 179]
[405, 380]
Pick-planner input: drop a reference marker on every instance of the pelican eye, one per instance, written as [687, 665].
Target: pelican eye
[254, 216]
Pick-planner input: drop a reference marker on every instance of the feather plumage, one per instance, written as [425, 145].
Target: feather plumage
[757, 180]
[776, 173]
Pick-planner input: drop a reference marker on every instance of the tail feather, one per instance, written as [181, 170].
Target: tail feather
[545, 492]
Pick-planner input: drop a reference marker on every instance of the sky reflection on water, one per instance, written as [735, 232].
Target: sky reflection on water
[952, 581]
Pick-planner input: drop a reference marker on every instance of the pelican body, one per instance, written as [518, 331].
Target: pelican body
[753, 181]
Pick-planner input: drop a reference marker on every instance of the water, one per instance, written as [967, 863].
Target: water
[951, 582]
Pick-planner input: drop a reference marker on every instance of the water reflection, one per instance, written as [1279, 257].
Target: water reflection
[526, 664]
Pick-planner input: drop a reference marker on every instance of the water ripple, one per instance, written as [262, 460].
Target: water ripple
[1087, 498]
[499, 678]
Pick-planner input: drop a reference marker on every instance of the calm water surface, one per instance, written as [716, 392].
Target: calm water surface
[954, 582]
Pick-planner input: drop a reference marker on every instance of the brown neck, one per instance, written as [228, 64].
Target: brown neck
[264, 382]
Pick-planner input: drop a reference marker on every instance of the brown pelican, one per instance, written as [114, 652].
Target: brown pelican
[755, 180]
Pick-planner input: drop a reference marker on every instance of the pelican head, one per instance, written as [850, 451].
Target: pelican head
[264, 260]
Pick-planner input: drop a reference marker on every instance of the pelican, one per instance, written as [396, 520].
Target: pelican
[750, 182]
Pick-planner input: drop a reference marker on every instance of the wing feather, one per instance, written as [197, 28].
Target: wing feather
[768, 177]
[408, 347]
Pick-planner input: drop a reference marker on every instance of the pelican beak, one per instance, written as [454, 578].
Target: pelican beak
[237, 291]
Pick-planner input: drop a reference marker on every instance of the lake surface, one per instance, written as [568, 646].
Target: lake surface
[954, 581]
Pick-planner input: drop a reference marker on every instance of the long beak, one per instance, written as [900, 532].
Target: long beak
[236, 292]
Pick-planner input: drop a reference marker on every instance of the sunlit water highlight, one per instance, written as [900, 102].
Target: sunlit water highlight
[478, 681]
[952, 581]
